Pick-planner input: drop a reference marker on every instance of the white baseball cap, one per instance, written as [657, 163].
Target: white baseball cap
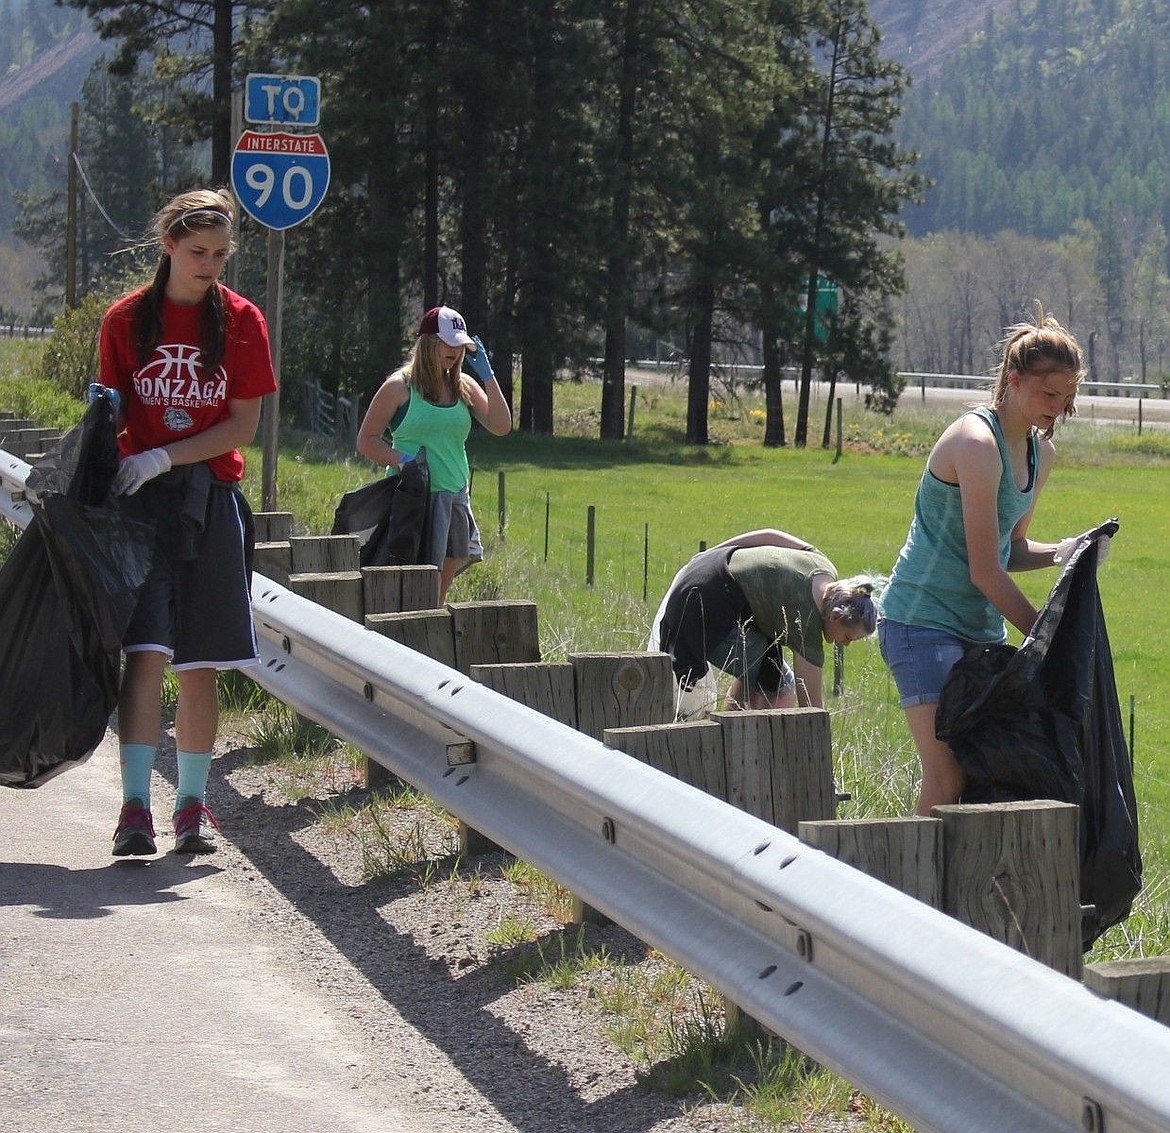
[448, 324]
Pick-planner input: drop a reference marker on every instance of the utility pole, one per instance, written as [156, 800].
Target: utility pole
[71, 212]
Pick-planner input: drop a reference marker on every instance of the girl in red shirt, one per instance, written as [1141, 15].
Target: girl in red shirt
[190, 362]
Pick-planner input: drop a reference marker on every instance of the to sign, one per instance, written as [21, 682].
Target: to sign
[280, 179]
[282, 100]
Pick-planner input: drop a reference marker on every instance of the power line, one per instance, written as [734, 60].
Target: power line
[93, 197]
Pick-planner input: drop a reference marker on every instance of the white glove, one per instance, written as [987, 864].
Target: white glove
[1066, 547]
[134, 471]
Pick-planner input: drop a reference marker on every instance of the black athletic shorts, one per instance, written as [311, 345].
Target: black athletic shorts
[197, 610]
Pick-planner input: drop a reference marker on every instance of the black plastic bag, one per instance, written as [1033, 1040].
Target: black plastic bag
[389, 516]
[1044, 722]
[67, 591]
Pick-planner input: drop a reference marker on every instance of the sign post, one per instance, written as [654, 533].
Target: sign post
[280, 179]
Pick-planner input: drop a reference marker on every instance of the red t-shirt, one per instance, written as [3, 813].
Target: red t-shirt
[170, 397]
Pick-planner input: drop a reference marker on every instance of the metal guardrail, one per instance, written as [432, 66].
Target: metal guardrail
[736, 370]
[941, 1024]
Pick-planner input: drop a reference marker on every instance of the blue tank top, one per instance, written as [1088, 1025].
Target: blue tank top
[930, 584]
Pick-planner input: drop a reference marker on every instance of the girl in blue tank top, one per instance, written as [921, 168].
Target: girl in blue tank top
[951, 587]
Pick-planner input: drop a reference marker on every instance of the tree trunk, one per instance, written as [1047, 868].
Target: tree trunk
[383, 268]
[832, 397]
[699, 374]
[613, 386]
[431, 147]
[538, 300]
[773, 385]
[476, 194]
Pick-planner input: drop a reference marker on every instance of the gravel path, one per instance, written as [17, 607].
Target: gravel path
[409, 965]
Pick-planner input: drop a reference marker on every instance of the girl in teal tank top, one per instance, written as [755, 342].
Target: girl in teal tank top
[951, 585]
[430, 403]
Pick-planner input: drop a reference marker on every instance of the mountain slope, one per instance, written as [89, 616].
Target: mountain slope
[923, 34]
[61, 69]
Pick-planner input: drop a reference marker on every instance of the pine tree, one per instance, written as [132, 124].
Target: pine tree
[850, 177]
[155, 30]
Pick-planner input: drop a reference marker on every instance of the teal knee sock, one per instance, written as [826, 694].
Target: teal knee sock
[136, 762]
[194, 767]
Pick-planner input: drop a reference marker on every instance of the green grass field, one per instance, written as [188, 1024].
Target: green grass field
[655, 500]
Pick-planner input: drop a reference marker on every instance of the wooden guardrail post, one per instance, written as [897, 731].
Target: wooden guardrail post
[776, 764]
[1012, 870]
[273, 560]
[690, 750]
[779, 764]
[320, 554]
[618, 689]
[494, 633]
[272, 526]
[399, 589]
[425, 631]
[609, 688]
[338, 590]
[905, 853]
[1143, 984]
[548, 687]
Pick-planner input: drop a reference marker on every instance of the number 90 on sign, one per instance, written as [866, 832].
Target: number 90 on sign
[280, 179]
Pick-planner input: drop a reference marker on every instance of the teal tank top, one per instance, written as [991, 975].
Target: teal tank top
[443, 429]
[930, 584]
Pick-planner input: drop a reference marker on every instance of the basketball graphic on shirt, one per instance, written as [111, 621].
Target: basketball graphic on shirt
[173, 360]
[174, 383]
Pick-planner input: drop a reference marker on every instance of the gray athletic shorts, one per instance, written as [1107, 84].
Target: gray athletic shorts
[454, 534]
[198, 611]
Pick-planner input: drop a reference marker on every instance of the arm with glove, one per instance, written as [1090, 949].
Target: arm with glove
[1066, 546]
[236, 430]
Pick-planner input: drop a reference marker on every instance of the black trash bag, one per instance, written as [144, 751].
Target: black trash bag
[67, 591]
[390, 516]
[1044, 722]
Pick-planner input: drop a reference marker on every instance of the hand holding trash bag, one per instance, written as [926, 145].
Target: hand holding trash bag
[67, 591]
[1066, 547]
[134, 471]
[96, 390]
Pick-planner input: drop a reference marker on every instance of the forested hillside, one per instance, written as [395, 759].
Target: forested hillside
[1055, 112]
[45, 52]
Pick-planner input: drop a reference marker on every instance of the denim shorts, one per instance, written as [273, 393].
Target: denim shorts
[756, 660]
[920, 659]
